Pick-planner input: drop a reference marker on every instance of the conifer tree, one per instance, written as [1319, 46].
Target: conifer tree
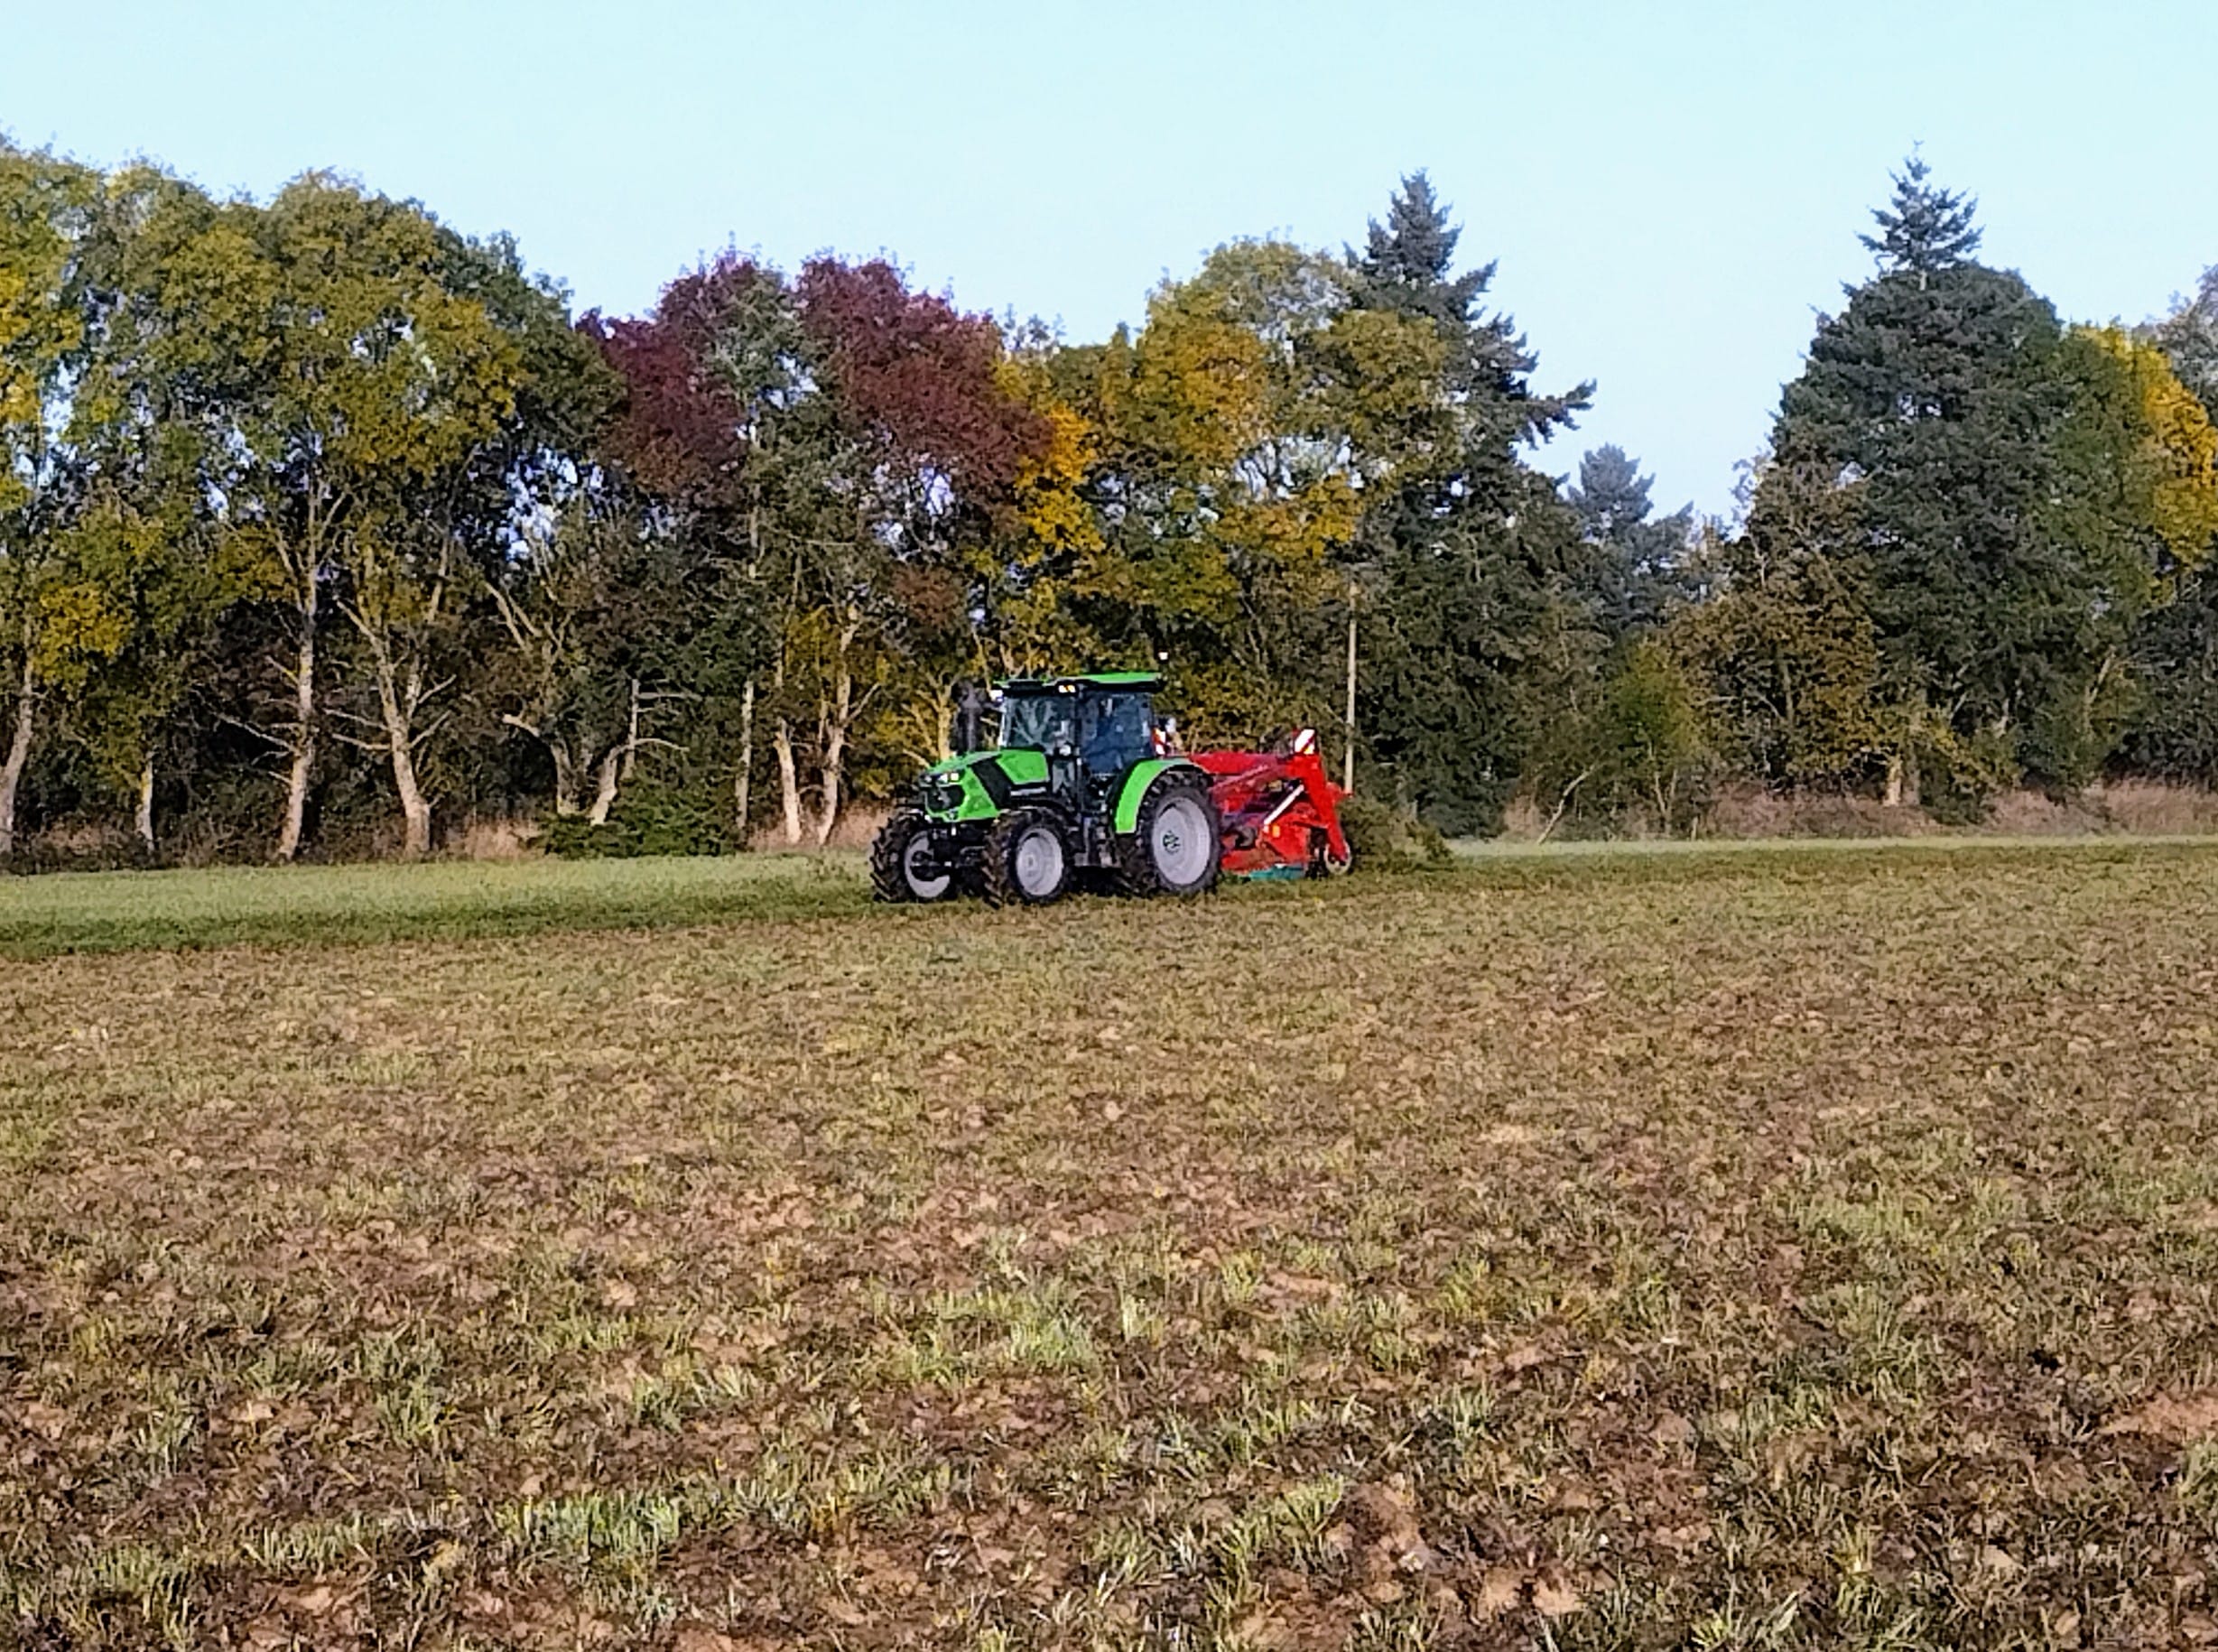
[1480, 616]
[1642, 572]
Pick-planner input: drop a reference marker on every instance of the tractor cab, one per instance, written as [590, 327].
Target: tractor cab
[1105, 722]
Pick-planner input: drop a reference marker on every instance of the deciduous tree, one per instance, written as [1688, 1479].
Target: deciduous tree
[49, 615]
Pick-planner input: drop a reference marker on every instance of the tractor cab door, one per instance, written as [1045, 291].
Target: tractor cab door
[1116, 730]
[1039, 722]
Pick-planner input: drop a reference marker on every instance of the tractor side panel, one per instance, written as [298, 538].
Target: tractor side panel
[978, 800]
[1137, 779]
[1023, 765]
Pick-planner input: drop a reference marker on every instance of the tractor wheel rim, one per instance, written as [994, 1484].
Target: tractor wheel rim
[922, 883]
[1180, 841]
[1039, 861]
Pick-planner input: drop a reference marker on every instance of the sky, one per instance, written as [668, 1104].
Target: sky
[1673, 192]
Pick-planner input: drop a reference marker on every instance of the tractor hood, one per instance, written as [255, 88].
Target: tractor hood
[1020, 765]
[953, 768]
[978, 784]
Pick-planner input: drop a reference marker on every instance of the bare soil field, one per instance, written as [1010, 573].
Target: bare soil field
[1779, 1248]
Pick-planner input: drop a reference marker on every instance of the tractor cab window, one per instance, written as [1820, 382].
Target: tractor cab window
[1115, 731]
[1038, 722]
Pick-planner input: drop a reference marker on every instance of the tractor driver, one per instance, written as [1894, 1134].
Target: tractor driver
[1116, 732]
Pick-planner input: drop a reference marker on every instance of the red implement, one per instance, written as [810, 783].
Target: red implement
[1280, 811]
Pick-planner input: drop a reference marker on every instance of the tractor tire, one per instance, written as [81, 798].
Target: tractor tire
[1027, 859]
[1177, 845]
[894, 870]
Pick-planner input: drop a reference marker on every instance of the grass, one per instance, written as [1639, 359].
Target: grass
[1755, 1248]
[103, 911]
[374, 903]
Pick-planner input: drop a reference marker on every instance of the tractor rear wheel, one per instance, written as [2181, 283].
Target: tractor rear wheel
[1028, 858]
[901, 868]
[1178, 842]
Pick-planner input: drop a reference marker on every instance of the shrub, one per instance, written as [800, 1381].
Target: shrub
[1637, 755]
[644, 823]
[1385, 838]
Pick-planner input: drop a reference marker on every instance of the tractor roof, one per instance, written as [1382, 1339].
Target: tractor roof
[1137, 681]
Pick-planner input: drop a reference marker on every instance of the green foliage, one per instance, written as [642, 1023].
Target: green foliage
[1648, 738]
[1645, 574]
[2188, 337]
[1479, 601]
[1639, 751]
[1784, 648]
[2021, 496]
[315, 506]
[2174, 659]
[1925, 229]
[1387, 839]
[646, 821]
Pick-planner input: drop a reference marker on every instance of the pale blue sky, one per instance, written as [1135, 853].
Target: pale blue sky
[1671, 190]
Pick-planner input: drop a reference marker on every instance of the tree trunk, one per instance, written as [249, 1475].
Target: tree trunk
[566, 804]
[631, 735]
[1902, 787]
[789, 780]
[18, 758]
[400, 746]
[1347, 779]
[415, 808]
[145, 821]
[743, 779]
[303, 730]
[835, 758]
[835, 753]
[612, 764]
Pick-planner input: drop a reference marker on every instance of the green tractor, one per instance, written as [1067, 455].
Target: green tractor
[1081, 784]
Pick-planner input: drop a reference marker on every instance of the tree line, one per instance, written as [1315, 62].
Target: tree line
[326, 529]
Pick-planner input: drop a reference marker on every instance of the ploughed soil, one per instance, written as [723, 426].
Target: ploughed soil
[1772, 1250]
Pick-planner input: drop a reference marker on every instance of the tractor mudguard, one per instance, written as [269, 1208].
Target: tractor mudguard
[1134, 789]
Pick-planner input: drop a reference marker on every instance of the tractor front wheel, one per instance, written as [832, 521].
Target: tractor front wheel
[901, 864]
[1028, 858]
[1178, 843]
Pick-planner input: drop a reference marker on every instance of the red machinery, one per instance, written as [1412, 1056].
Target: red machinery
[1279, 809]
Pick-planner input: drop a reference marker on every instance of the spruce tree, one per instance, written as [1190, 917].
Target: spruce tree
[1936, 399]
[1477, 624]
[1643, 571]
[1407, 266]
[1928, 229]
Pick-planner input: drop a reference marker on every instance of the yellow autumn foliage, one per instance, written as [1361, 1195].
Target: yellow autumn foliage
[38, 325]
[1050, 512]
[77, 624]
[2176, 476]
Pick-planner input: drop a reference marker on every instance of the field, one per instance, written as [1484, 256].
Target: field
[1753, 1248]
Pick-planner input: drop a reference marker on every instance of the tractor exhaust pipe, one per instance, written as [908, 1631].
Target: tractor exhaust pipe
[969, 717]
